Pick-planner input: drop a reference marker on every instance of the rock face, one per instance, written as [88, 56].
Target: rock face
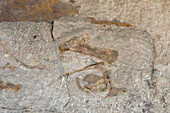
[34, 10]
[31, 43]
[135, 49]
[150, 15]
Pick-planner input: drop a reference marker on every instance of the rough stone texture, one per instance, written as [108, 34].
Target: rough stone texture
[132, 70]
[147, 93]
[150, 15]
[34, 10]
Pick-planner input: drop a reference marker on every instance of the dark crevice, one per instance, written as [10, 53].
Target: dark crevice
[153, 70]
[52, 27]
[61, 69]
[60, 66]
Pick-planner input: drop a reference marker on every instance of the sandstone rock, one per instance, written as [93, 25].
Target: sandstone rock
[33, 10]
[32, 44]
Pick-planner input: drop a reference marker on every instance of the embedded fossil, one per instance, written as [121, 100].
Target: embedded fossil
[99, 83]
[9, 86]
[21, 63]
[135, 56]
[10, 67]
[95, 83]
[80, 45]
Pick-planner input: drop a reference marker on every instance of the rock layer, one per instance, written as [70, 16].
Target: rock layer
[33, 46]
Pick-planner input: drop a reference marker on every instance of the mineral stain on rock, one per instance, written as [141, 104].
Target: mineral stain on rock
[117, 23]
[34, 10]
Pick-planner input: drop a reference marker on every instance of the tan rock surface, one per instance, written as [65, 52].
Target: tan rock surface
[132, 70]
[146, 92]
[150, 15]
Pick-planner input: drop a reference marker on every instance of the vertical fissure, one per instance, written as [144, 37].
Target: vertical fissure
[60, 66]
